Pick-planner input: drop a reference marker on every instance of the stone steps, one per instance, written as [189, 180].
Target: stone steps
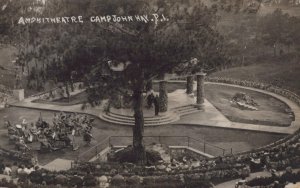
[185, 110]
[164, 118]
[154, 118]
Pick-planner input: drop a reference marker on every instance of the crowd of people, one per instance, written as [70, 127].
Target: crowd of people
[23, 176]
[276, 180]
[60, 134]
[283, 154]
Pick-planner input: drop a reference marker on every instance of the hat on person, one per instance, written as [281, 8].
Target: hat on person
[19, 126]
[24, 121]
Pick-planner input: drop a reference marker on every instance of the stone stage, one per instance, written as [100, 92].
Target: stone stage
[179, 105]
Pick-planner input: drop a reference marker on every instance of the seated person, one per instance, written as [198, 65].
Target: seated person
[87, 137]
[64, 137]
[45, 144]
[21, 145]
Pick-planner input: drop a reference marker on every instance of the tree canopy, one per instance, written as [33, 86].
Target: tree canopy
[161, 36]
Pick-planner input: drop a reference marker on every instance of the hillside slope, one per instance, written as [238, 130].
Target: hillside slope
[7, 55]
[285, 75]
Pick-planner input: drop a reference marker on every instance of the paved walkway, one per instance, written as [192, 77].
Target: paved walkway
[175, 99]
[210, 117]
[58, 165]
[27, 103]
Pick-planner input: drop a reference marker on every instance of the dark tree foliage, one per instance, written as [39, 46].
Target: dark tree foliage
[145, 50]
[279, 28]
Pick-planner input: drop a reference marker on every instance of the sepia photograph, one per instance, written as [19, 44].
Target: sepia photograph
[150, 93]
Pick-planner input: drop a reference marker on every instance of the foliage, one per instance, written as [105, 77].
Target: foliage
[145, 49]
[127, 155]
[279, 28]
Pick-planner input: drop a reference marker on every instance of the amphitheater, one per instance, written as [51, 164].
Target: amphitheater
[223, 145]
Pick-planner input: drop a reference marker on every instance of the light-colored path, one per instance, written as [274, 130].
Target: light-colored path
[58, 165]
[210, 117]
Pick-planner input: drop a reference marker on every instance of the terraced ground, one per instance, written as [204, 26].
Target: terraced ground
[282, 74]
[226, 138]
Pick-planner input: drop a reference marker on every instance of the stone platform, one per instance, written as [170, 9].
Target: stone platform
[180, 104]
[210, 117]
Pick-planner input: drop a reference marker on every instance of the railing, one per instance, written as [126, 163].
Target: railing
[94, 150]
[208, 148]
[150, 140]
[198, 144]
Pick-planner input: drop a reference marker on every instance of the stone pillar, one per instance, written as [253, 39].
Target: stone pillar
[163, 96]
[189, 84]
[200, 89]
[18, 94]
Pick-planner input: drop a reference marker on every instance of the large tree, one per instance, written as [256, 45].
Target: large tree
[275, 29]
[146, 47]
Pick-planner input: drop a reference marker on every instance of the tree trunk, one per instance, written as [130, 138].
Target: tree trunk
[138, 128]
[200, 88]
[163, 96]
[72, 85]
[189, 84]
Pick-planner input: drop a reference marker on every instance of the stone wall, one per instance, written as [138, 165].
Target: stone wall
[56, 93]
[178, 152]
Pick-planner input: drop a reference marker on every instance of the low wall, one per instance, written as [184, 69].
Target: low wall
[56, 93]
[178, 152]
[18, 94]
[102, 156]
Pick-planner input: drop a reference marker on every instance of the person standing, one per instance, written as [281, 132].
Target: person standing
[7, 170]
[150, 99]
[156, 105]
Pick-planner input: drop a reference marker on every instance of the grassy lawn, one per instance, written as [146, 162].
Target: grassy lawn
[270, 111]
[238, 140]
